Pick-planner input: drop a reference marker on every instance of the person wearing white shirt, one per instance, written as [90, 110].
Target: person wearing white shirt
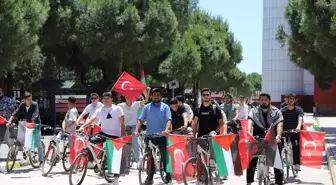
[190, 113]
[111, 118]
[91, 109]
[130, 110]
[242, 111]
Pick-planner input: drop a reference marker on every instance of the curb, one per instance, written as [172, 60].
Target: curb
[331, 161]
[17, 164]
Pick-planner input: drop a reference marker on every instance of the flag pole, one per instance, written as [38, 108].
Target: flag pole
[117, 80]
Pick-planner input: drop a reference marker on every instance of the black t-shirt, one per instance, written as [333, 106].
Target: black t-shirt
[283, 104]
[291, 117]
[177, 117]
[207, 119]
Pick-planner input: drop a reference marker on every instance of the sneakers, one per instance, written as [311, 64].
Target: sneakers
[297, 167]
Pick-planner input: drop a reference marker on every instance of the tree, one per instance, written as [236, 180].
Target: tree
[255, 80]
[311, 41]
[20, 23]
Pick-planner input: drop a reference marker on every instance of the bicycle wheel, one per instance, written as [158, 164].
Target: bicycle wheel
[49, 158]
[286, 165]
[191, 170]
[107, 175]
[162, 170]
[65, 159]
[11, 158]
[290, 156]
[145, 166]
[260, 172]
[80, 164]
[33, 156]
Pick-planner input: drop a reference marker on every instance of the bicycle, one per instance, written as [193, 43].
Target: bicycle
[55, 152]
[287, 156]
[152, 153]
[100, 159]
[207, 168]
[262, 168]
[16, 147]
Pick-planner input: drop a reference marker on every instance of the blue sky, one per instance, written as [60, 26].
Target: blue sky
[245, 21]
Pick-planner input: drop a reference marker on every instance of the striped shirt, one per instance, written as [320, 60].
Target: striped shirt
[291, 117]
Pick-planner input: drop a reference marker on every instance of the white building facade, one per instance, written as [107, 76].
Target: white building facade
[279, 75]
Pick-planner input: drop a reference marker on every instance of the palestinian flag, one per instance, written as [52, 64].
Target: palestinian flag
[247, 148]
[30, 135]
[223, 157]
[2, 120]
[143, 77]
[312, 127]
[76, 147]
[178, 152]
[311, 148]
[114, 148]
[172, 139]
[236, 157]
[273, 158]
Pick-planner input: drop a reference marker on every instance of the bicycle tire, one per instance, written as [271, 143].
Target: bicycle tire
[141, 168]
[52, 149]
[104, 167]
[65, 158]
[132, 159]
[260, 172]
[193, 160]
[286, 166]
[72, 167]
[12, 152]
[31, 159]
[162, 170]
[294, 172]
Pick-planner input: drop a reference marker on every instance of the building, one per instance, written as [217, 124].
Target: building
[280, 76]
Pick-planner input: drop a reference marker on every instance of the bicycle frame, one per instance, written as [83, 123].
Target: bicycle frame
[202, 153]
[90, 146]
[288, 149]
[154, 151]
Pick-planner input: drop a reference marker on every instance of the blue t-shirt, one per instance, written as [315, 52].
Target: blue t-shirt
[156, 117]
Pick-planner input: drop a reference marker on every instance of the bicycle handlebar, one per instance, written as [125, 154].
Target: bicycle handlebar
[289, 131]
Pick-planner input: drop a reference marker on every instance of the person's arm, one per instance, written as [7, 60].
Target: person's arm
[85, 111]
[122, 121]
[237, 114]
[246, 112]
[250, 123]
[195, 128]
[36, 113]
[190, 113]
[16, 113]
[91, 119]
[219, 117]
[146, 93]
[279, 131]
[141, 119]
[185, 116]
[73, 118]
[168, 118]
[300, 119]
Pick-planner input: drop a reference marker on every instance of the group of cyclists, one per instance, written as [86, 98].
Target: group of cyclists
[151, 114]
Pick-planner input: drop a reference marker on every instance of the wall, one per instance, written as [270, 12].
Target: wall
[325, 100]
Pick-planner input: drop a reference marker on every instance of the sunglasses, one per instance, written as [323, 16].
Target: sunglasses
[205, 95]
[94, 98]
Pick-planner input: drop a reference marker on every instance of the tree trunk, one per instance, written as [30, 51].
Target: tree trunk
[10, 82]
[195, 92]
[3, 85]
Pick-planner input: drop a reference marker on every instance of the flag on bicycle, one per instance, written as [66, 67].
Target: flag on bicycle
[312, 127]
[273, 158]
[247, 148]
[95, 130]
[179, 154]
[311, 148]
[223, 156]
[76, 147]
[30, 135]
[116, 154]
[236, 156]
[172, 139]
[128, 86]
[2, 120]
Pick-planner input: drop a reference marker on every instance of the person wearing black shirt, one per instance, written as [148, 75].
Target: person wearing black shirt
[284, 104]
[293, 119]
[260, 119]
[179, 115]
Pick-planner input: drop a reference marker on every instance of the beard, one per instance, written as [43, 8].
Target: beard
[156, 100]
[265, 106]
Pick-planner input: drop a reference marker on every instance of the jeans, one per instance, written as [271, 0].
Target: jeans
[162, 144]
[135, 144]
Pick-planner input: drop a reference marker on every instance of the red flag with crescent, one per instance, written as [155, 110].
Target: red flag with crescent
[128, 86]
[311, 148]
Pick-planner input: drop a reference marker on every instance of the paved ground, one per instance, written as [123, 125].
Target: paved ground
[28, 176]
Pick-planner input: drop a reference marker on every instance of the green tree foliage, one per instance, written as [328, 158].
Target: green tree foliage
[311, 41]
[256, 81]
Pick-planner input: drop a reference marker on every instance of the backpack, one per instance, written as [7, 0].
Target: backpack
[213, 106]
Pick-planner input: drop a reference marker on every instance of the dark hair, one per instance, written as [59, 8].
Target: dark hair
[205, 89]
[242, 97]
[228, 95]
[173, 101]
[27, 95]
[156, 90]
[265, 95]
[72, 99]
[94, 95]
[109, 94]
[180, 98]
[291, 96]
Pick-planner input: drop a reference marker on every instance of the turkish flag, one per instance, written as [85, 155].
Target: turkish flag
[311, 148]
[128, 86]
[2, 120]
[247, 147]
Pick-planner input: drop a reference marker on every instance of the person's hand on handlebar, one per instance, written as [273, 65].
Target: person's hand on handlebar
[8, 124]
[165, 133]
[298, 129]
[183, 127]
[136, 133]
[81, 129]
[213, 133]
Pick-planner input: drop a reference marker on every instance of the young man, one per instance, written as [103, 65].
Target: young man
[158, 117]
[208, 121]
[90, 109]
[69, 122]
[111, 118]
[130, 109]
[261, 118]
[242, 111]
[179, 117]
[293, 119]
[190, 113]
[229, 109]
[29, 111]
[284, 104]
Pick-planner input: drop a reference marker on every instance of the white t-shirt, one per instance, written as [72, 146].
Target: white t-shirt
[189, 111]
[243, 112]
[109, 119]
[70, 117]
[92, 109]
[130, 112]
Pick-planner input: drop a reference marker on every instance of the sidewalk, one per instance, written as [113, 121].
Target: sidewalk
[328, 124]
